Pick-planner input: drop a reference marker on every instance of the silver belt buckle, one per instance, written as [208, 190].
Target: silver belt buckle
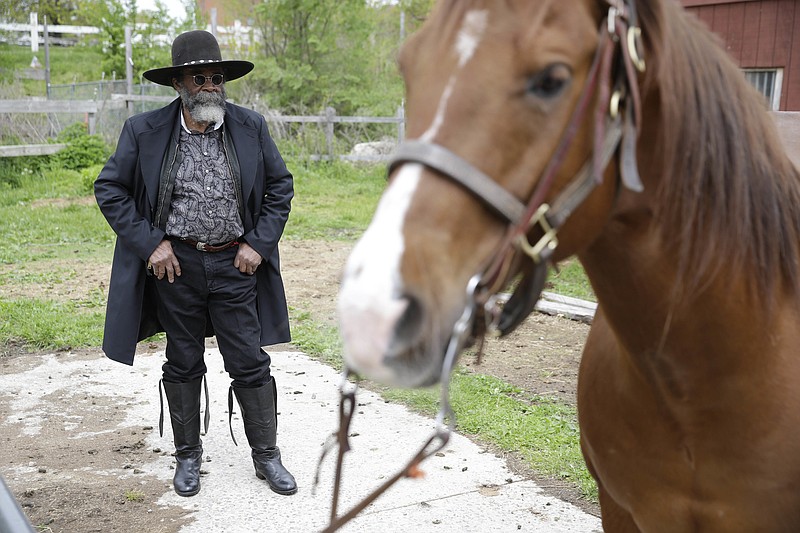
[201, 246]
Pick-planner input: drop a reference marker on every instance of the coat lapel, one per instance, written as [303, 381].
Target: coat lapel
[154, 145]
[245, 141]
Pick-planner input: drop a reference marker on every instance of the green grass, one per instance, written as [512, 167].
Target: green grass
[55, 276]
[67, 65]
[569, 279]
[543, 431]
[333, 200]
[48, 215]
[321, 341]
[44, 324]
[47, 232]
[136, 496]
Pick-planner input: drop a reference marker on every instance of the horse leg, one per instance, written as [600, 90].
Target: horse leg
[615, 518]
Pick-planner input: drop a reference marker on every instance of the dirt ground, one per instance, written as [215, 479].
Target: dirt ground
[541, 357]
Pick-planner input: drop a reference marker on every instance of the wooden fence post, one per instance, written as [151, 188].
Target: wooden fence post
[34, 32]
[129, 66]
[46, 59]
[92, 123]
[330, 114]
[401, 124]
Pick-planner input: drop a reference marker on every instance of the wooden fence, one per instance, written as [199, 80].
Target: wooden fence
[329, 120]
[86, 107]
[120, 102]
[788, 123]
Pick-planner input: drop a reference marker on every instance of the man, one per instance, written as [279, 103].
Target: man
[198, 196]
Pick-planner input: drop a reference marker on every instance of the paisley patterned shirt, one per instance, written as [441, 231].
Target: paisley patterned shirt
[204, 206]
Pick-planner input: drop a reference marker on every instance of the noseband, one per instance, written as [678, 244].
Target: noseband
[616, 121]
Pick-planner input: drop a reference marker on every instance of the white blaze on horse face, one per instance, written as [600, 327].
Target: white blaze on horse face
[438, 120]
[370, 299]
[469, 36]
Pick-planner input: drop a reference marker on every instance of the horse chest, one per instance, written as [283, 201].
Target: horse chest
[667, 453]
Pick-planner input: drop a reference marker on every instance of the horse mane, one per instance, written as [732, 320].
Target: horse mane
[729, 197]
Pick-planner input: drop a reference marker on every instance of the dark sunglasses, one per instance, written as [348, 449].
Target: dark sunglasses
[201, 80]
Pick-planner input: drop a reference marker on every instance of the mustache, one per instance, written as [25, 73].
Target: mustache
[202, 98]
[205, 98]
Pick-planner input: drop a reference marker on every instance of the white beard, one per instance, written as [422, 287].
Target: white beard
[204, 107]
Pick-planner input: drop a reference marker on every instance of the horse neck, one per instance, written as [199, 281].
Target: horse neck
[677, 262]
[636, 278]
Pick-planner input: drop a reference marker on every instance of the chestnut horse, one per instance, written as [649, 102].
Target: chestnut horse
[620, 132]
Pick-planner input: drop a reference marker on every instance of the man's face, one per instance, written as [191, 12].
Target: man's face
[204, 100]
[203, 79]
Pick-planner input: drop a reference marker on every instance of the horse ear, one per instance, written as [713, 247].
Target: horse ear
[524, 299]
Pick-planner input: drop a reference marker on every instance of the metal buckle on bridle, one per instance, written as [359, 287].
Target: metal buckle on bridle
[634, 42]
[445, 421]
[613, 13]
[548, 241]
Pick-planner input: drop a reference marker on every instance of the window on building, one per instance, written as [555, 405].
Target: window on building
[767, 82]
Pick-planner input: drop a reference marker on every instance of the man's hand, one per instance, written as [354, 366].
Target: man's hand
[163, 261]
[247, 259]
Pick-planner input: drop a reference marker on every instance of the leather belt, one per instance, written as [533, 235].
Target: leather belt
[204, 246]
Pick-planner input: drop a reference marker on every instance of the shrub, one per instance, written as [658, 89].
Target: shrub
[14, 169]
[82, 151]
[74, 131]
[88, 175]
[78, 163]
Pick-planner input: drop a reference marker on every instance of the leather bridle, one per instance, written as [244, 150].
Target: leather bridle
[612, 83]
[616, 123]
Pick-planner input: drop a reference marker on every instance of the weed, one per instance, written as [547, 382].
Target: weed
[134, 496]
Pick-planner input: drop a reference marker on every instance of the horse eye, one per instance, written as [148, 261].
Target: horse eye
[549, 82]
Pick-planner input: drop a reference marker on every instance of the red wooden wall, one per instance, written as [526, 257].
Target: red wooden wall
[758, 34]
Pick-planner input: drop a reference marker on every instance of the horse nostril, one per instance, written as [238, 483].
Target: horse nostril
[409, 326]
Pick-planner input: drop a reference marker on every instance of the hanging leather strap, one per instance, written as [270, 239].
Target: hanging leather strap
[230, 414]
[160, 408]
[207, 417]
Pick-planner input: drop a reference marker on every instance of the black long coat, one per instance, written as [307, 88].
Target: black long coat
[127, 193]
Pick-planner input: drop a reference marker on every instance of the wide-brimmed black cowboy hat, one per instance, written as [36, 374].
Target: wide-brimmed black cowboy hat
[197, 48]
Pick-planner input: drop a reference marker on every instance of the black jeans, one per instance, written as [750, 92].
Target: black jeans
[211, 288]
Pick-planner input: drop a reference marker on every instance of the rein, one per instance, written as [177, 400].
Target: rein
[436, 442]
[612, 132]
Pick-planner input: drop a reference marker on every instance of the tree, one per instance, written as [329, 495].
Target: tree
[339, 53]
[153, 36]
[56, 11]
[152, 32]
[110, 17]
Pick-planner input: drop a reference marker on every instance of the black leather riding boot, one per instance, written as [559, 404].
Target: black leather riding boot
[260, 426]
[184, 412]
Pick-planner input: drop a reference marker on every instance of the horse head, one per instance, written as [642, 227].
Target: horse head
[502, 103]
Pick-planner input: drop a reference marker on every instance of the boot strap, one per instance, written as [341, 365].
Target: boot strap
[207, 417]
[161, 408]
[275, 400]
[230, 413]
